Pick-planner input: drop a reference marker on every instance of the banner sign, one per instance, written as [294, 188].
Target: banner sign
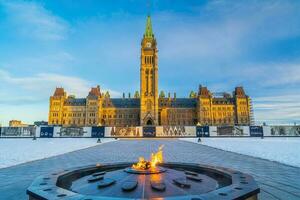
[98, 131]
[285, 130]
[130, 131]
[202, 131]
[18, 131]
[71, 132]
[256, 131]
[149, 131]
[238, 131]
[46, 132]
[225, 130]
[175, 131]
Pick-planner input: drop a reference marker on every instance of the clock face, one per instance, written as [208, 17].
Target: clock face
[148, 44]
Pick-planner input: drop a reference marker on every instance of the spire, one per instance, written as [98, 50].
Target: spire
[148, 31]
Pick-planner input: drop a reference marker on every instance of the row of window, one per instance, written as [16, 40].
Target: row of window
[77, 115]
[78, 121]
[243, 108]
[244, 113]
[222, 108]
[222, 103]
[179, 122]
[224, 114]
[173, 104]
[56, 103]
[134, 122]
[216, 108]
[148, 59]
[121, 116]
[223, 121]
[74, 122]
[205, 103]
[74, 115]
[92, 103]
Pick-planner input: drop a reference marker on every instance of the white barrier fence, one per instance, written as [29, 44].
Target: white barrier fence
[155, 131]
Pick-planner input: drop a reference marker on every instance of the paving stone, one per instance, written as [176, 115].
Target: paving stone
[277, 181]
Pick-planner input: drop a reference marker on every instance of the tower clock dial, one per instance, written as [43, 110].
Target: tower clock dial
[148, 44]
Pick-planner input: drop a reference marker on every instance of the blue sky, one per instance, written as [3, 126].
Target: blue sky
[83, 43]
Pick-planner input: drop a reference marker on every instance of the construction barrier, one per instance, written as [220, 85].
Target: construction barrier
[150, 131]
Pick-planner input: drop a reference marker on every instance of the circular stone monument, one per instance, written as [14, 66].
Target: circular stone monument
[169, 181]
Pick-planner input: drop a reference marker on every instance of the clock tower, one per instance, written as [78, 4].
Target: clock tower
[149, 78]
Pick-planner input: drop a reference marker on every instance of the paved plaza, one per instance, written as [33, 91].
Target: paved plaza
[277, 181]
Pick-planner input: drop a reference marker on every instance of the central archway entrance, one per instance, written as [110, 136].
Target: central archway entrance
[149, 122]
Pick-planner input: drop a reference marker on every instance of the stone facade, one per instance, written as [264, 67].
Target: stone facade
[17, 123]
[147, 107]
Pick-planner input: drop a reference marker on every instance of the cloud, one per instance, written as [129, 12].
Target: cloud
[183, 38]
[41, 86]
[27, 98]
[223, 31]
[284, 109]
[56, 60]
[268, 74]
[43, 83]
[285, 74]
[34, 21]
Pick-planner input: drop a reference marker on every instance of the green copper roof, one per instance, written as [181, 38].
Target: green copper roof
[148, 32]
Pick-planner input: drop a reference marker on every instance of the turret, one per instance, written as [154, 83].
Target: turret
[94, 101]
[242, 106]
[204, 115]
[56, 106]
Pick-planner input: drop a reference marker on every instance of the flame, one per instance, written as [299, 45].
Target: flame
[156, 158]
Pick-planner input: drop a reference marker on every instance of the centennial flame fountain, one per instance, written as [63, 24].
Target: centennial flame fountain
[153, 179]
[148, 167]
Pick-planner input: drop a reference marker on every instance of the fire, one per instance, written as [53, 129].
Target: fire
[156, 158]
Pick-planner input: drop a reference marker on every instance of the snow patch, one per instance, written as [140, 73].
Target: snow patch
[17, 151]
[283, 150]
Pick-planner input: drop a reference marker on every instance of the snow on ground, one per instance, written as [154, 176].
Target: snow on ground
[283, 150]
[17, 151]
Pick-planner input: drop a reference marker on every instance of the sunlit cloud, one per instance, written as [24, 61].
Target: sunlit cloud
[42, 84]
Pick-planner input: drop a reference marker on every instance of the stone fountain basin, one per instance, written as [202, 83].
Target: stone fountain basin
[215, 183]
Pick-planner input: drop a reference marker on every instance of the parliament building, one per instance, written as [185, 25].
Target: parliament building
[148, 107]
